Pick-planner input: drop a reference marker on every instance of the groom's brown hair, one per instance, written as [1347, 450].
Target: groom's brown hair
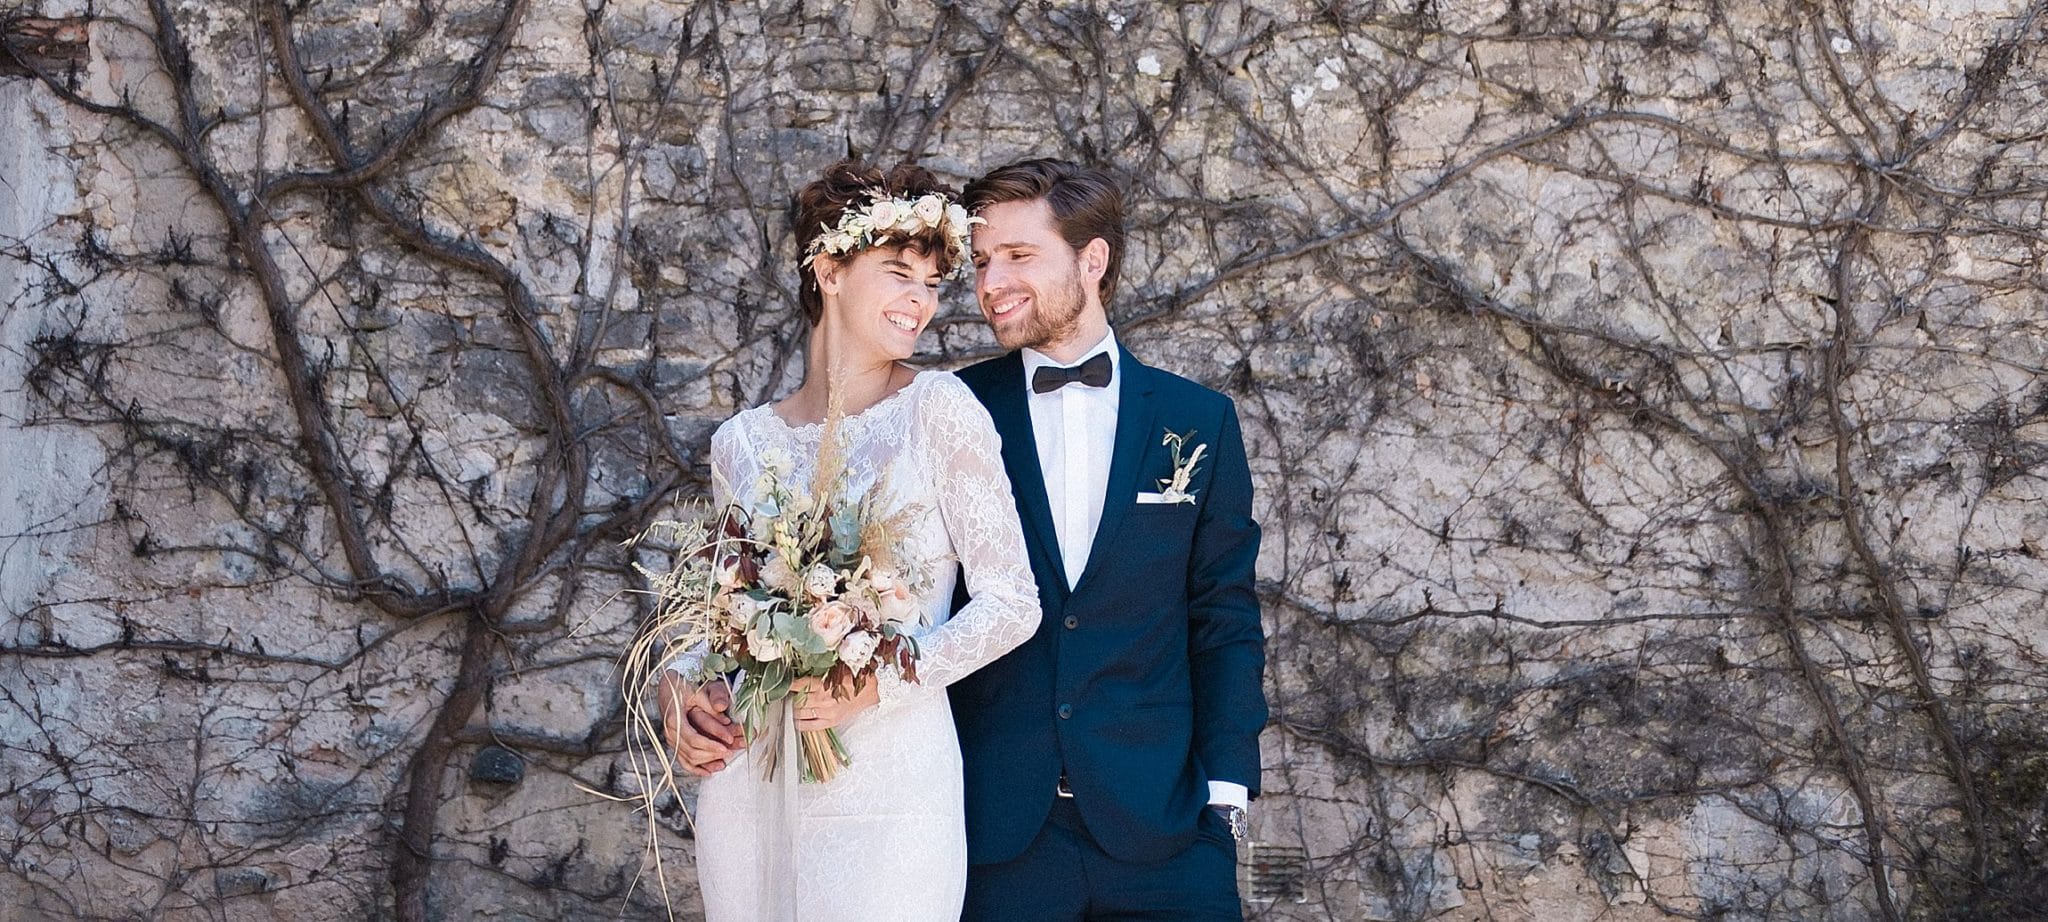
[1085, 201]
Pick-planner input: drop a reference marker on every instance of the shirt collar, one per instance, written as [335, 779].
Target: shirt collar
[1034, 359]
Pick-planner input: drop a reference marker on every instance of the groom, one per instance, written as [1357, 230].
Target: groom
[1110, 759]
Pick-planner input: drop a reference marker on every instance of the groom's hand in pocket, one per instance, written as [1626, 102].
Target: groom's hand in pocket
[695, 724]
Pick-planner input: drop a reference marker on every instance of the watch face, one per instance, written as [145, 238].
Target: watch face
[1235, 819]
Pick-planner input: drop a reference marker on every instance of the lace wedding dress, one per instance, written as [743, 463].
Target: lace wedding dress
[885, 838]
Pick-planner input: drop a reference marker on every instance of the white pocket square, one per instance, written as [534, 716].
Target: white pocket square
[1158, 498]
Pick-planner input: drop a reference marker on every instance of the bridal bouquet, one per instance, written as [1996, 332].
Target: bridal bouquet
[807, 583]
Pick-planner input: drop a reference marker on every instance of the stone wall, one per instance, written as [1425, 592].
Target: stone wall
[1647, 404]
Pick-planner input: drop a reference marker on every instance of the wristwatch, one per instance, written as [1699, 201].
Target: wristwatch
[1236, 819]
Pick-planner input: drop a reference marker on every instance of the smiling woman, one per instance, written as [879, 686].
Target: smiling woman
[884, 298]
[882, 834]
[874, 247]
[854, 206]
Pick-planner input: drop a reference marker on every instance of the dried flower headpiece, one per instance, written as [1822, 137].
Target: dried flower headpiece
[886, 217]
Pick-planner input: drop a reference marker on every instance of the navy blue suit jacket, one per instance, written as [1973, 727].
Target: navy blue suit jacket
[1143, 681]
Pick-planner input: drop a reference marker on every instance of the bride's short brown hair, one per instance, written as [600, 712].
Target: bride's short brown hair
[850, 184]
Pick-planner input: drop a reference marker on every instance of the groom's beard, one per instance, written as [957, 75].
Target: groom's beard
[1054, 319]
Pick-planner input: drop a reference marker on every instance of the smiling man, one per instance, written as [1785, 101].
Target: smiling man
[1111, 758]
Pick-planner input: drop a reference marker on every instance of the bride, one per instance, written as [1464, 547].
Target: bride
[884, 838]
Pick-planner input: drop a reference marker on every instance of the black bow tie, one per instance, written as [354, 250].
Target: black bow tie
[1094, 373]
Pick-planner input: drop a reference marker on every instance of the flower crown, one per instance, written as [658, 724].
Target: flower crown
[886, 216]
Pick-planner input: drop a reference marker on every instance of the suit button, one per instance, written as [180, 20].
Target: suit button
[1073, 622]
[1066, 711]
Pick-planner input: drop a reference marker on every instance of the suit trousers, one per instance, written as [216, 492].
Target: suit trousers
[1063, 876]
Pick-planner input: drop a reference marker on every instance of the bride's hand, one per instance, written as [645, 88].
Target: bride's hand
[819, 709]
[694, 722]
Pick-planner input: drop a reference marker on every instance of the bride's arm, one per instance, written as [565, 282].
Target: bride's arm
[980, 515]
[706, 742]
[725, 454]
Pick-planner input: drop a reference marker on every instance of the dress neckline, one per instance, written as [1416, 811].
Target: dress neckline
[873, 409]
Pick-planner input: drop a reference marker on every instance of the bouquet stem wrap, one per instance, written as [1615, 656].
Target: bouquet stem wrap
[821, 753]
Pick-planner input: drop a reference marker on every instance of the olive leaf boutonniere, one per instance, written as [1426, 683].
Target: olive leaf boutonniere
[1175, 489]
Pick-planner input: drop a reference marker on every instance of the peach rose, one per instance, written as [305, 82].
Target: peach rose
[831, 621]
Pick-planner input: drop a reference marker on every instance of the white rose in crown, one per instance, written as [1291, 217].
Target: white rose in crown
[882, 215]
[886, 215]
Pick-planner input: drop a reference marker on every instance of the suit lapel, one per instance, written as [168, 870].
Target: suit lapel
[1009, 410]
[1134, 435]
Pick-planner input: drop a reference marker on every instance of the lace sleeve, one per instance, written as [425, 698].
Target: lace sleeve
[980, 516]
[727, 454]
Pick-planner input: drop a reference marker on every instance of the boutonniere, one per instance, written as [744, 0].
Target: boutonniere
[1175, 489]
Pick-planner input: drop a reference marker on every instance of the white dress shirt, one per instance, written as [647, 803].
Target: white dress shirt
[1075, 428]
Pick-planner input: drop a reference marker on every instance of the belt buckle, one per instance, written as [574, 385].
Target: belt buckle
[1062, 790]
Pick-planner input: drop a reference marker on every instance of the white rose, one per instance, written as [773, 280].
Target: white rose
[763, 645]
[883, 214]
[857, 649]
[820, 580]
[743, 608]
[931, 209]
[778, 575]
[956, 215]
